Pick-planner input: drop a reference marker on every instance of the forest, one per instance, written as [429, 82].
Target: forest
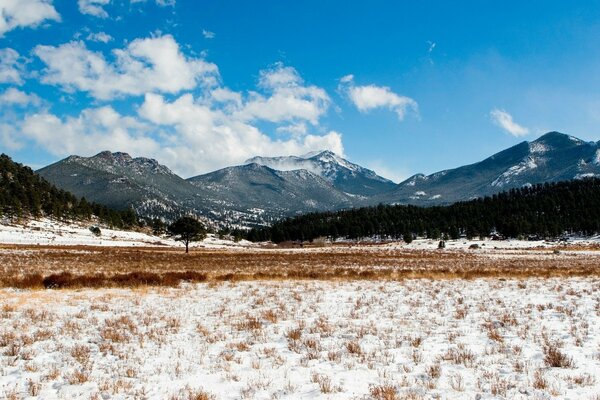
[546, 210]
[23, 193]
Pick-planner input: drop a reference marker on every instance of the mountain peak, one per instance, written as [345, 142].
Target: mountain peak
[558, 139]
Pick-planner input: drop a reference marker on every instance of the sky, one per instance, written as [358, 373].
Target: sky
[401, 87]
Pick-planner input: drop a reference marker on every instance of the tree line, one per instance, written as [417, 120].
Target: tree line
[23, 193]
[544, 210]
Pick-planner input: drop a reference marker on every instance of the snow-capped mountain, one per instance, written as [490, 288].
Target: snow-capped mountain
[256, 193]
[250, 194]
[552, 157]
[268, 188]
[341, 173]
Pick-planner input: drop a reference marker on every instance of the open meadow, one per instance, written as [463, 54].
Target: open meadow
[343, 322]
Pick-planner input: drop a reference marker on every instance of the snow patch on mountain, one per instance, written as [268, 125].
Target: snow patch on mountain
[597, 157]
[585, 175]
[507, 176]
[538, 148]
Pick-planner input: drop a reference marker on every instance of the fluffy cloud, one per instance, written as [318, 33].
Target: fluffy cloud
[10, 67]
[369, 97]
[184, 134]
[196, 134]
[205, 138]
[162, 3]
[102, 37]
[288, 98]
[505, 121]
[93, 7]
[23, 13]
[13, 96]
[203, 127]
[9, 137]
[93, 130]
[96, 7]
[146, 65]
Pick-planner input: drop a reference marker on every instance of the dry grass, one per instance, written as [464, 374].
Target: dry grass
[80, 266]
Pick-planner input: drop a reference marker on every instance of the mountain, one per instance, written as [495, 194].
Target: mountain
[120, 181]
[246, 195]
[342, 174]
[254, 191]
[269, 188]
[551, 158]
[24, 193]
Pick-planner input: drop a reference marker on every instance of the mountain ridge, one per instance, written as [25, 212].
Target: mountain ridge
[265, 189]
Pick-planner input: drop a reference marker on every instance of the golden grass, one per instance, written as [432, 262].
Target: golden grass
[84, 266]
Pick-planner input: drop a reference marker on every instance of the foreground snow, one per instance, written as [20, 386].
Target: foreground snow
[419, 338]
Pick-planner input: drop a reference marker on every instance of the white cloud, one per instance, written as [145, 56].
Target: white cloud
[505, 121]
[9, 137]
[208, 34]
[146, 65]
[96, 7]
[162, 3]
[25, 13]
[289, 99]
[431, 46]
[184, 134]
[10, 67]
[369, 97]
[193, 134]
[93, 7]
[93, 130]
[13, 96]
[100, 37]
[204, 139]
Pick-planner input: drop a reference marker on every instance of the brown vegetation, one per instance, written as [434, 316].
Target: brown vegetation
[79, 266]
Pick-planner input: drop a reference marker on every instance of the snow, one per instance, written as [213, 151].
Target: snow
[585, 175]
[50, 232]
[458, 339]
[538, 148]
[506, 177]
[597, 158]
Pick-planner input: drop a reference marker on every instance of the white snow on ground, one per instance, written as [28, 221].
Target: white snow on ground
[50, 232]
[453, 339]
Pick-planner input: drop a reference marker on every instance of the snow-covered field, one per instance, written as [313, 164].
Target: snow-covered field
[414, 339]
[50, 232]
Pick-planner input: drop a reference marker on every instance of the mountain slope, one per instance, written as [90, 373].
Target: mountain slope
[342, 174]
[119, 181]
[551, 158]
[24, 193]
[254, 188]
[242, 195]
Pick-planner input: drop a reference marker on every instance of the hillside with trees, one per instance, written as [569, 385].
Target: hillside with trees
[545, 210]
[23, 193]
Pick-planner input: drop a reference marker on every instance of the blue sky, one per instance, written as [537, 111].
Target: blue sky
[401, 87]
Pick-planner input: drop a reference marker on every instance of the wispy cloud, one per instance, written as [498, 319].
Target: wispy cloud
[208, 34]
[100, 37]
[505, 121]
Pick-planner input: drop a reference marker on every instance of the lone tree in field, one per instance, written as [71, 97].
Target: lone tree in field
[186, 230]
